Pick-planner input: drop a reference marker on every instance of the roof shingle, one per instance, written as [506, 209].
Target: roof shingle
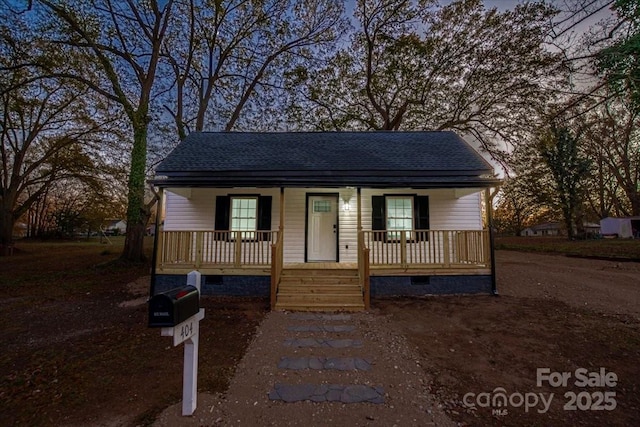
[399, 154]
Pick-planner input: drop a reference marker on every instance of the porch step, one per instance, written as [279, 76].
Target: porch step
[319, 280]
[319, 272]
[319, 290]
[327, 288]
[315, 307]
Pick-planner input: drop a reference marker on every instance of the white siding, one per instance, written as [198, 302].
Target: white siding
[450, 213]
[198, 211]
[446, 212]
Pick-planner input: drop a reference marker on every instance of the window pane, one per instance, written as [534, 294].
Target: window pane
[399, 215]
[243, 214]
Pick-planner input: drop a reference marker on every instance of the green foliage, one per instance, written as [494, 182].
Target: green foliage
[620, 62]
[560, 151]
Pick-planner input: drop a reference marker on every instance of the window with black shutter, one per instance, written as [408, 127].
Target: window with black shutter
[400, 213]
[246, 214]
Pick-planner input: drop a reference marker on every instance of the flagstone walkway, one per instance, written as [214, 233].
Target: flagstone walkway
[317, 370]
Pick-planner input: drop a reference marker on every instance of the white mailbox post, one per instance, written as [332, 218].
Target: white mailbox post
[187, 332]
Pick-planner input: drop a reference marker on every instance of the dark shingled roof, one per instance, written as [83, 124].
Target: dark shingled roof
[382, 159]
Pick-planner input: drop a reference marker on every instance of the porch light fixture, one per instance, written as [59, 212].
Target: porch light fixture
[347, 194]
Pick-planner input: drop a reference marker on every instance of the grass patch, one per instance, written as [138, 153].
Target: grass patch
[604, 248]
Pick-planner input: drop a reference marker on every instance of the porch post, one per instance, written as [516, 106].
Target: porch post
[363, 257]
[489, 208]
[156, 242]
[359, 210]
[276, 255]
[281, 227]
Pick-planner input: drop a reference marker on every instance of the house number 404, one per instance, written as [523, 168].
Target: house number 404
[186, 330]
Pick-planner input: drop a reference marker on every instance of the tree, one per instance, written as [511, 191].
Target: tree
[415, 66]
[48, 125]
[516, 207]
[560, 151]
[612, 139]
[122, 43]
[620, 62]
[223, 54]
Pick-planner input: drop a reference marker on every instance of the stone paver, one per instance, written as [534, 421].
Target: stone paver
[321, 342]
[353, 393]
[320, 316]
[322, 328]
[357, 393]
[330, 363]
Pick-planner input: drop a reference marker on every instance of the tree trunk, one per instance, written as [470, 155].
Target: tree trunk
[136, 219]
[6, 231]
[568, 213]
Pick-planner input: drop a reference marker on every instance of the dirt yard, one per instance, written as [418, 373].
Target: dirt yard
[554, 312]
[76, 349]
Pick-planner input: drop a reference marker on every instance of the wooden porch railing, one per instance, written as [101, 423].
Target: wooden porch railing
[208, 248]
[276, 269]
[444, 248]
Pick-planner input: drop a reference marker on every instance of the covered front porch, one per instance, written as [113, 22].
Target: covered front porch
[414, 253]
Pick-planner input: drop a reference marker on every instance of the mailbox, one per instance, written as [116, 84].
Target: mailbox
[173, 307]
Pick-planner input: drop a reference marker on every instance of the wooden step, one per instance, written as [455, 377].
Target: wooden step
[312, 272]
[319, 307]
[297, 300]
[310, 289]
[318, 289]
[321, 298]
[321, 280]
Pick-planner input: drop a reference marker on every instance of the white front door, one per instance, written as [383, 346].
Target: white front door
[322, 228]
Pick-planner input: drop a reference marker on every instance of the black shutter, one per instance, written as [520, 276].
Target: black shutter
[223, 206]
[264, 216]
[421, 208]
[378, 215]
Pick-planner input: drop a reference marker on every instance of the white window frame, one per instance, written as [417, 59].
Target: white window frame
[394, 233]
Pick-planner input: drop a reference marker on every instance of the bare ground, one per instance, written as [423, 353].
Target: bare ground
[556, 312]
[76, 350]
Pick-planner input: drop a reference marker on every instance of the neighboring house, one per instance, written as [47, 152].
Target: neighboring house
[591, 228]
[115, 227]
[324, 220]
[621, 227]
[544, 229]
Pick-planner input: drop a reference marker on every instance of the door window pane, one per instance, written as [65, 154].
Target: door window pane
[321, 206]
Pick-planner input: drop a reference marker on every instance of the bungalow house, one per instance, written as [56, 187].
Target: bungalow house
[324, 220]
